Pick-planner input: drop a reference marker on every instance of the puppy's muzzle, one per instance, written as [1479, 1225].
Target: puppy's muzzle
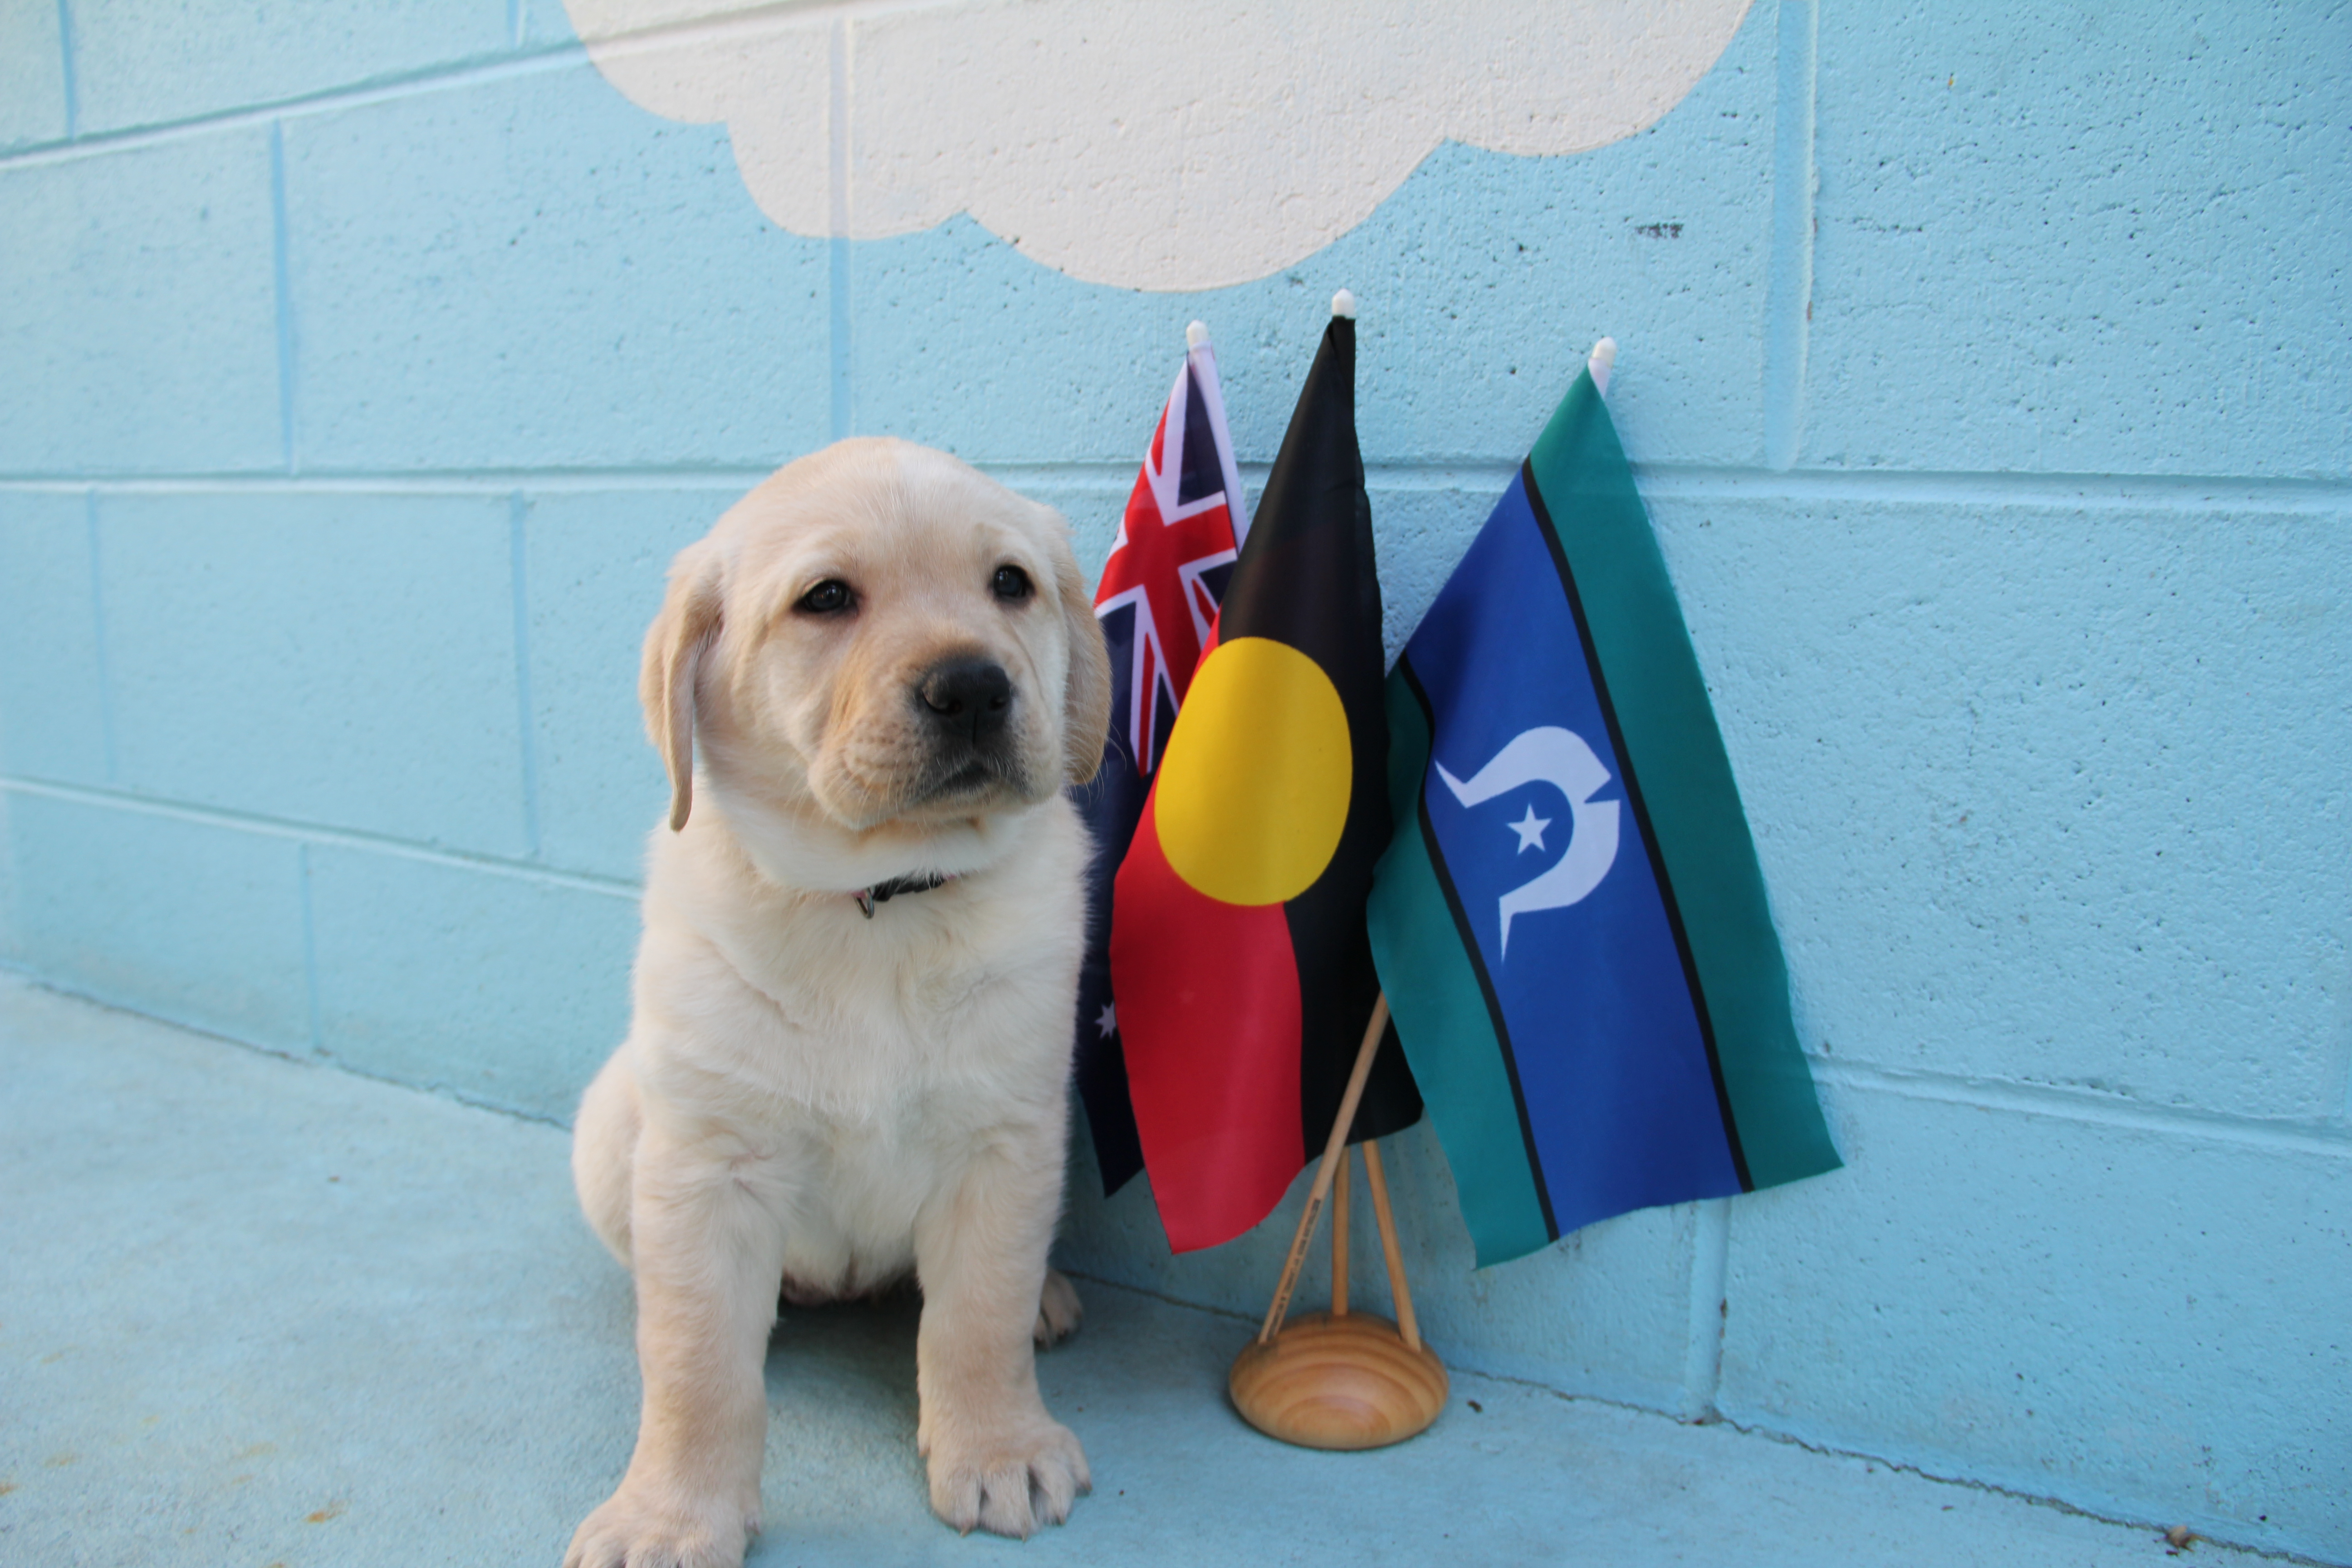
[967, 710]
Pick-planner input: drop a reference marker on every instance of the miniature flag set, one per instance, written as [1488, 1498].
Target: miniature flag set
[1526, 837]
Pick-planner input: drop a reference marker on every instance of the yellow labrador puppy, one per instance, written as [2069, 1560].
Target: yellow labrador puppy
[854, 993]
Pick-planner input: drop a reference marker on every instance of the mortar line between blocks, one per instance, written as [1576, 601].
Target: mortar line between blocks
[2313, 1136]
[1790, 287]
[67, 62]
[526, 730]
[1658, 481]
[97, 635]
[282, 273]
[2155, 492]
[323, 836]
[444, 77]
[1703, 1349]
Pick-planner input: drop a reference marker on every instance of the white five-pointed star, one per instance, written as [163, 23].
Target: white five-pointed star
[1530, 829]
[1108, 1020]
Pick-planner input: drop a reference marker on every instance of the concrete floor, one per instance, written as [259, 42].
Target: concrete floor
[262, 1312]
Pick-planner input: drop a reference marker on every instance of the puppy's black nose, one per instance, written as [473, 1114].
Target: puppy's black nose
[968, 695]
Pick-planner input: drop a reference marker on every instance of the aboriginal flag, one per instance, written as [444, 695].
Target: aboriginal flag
[1571, 920]
[1238, 950]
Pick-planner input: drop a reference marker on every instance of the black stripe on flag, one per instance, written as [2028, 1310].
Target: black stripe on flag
[1642, 819]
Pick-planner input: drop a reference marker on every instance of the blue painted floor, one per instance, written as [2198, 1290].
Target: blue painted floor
[262, 1312]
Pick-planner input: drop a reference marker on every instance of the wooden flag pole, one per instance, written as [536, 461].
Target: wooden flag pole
[1341, 1379]
[1406, 1327]
[1340, 1235]
[1332, 1148]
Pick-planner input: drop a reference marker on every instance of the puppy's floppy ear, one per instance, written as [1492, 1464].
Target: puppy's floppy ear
[1085, 717]
[675, 643]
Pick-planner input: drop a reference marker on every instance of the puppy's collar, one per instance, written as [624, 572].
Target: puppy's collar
[883, 892]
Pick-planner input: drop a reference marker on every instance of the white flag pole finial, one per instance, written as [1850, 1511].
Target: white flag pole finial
[1196, 336]
[1343, 303]
[1605, 356]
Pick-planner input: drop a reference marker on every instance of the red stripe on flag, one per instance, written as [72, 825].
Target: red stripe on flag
[1208, 1013]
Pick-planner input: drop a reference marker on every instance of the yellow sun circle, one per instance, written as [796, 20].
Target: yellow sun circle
[1253, 787]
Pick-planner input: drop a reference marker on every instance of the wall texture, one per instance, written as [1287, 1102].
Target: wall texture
[1989, 378]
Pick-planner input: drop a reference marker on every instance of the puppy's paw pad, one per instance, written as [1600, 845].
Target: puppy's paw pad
[1012, 1484]
[1059, 1310]
[631, 1531]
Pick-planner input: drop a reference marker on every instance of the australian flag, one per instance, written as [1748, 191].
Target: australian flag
[1184, 524]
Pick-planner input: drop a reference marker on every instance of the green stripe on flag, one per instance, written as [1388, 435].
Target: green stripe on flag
[1442, 1015]
[1673, 748]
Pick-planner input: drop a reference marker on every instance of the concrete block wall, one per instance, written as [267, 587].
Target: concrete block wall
[360, 368]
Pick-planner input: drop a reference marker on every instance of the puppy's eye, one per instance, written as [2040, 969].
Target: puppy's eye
[829, 597]
[1012, 583]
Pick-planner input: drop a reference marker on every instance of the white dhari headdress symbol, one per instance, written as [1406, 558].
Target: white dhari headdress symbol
[1559, 758]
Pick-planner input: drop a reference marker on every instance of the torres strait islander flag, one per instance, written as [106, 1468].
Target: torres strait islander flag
[1237, 946]
[1571, 921]
[1157, 603]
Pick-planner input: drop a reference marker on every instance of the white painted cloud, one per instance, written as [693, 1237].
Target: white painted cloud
[1156, 145]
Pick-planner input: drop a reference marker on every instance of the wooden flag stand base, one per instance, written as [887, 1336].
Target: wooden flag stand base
[1341, 1379]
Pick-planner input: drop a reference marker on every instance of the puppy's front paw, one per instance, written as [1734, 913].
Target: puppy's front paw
[639, 1528]
[1010, 1482]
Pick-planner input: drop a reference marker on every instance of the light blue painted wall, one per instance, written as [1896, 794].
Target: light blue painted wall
[360, 367]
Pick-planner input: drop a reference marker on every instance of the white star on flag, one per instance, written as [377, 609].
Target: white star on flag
[1108, 1021]
[1530, 829]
